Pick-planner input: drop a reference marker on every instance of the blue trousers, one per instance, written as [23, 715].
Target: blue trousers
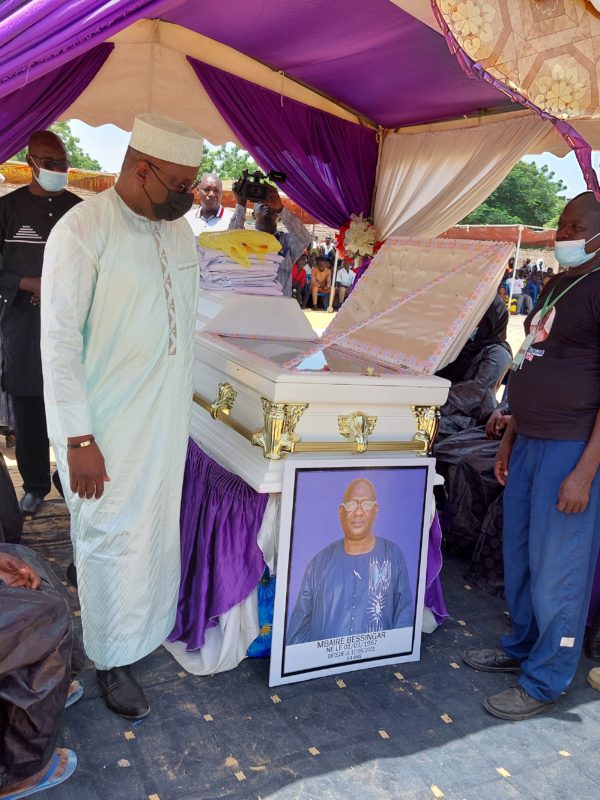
[549, 563]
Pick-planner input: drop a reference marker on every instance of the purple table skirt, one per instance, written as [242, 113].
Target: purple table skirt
[221, 562]
[434, 597]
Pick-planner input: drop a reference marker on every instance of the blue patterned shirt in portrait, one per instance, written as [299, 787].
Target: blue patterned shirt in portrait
[344, 594]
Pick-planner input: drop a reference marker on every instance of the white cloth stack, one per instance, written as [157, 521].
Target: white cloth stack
[220, 272]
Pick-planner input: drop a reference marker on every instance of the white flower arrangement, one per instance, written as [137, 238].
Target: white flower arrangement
[360, 237]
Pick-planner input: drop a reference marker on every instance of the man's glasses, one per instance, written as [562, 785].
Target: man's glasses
[51, 163]
[366, 505]
[183, 188]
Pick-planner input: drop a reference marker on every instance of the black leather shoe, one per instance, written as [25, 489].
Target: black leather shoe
[516, 704]
[122, 693]
[491, 660]
[31, 503]
[71, 575]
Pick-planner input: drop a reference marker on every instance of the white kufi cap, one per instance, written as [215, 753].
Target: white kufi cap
[167, 139]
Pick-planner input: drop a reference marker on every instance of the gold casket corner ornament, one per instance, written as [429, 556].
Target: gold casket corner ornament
[357, 427]
[226, 397]
[428, 422]
[278, 434]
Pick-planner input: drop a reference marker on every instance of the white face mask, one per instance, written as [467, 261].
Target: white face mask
[572, 253]
[52, 181]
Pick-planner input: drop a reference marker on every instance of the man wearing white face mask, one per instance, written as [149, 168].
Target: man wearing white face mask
[27, 216]
[548, 460]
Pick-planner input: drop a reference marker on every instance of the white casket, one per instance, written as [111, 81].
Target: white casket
[265, 384]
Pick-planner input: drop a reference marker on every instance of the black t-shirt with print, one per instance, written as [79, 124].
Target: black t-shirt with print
[26, 220]
[556, 393]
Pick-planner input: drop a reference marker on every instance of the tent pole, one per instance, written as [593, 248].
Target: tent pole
[517, 251]
[380, 137]
[332, 290]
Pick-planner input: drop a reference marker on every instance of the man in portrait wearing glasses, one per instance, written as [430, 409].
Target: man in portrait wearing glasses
[119, 290]
[358, 584]
[27, 216]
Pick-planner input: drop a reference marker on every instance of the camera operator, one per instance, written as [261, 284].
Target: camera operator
[266, 216]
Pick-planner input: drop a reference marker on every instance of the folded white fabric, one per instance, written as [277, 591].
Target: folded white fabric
[221, 273]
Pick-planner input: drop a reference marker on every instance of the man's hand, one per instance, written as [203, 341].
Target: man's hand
[502, 459]
[34, 286]
[235, 190]
[87, 471]
[574, 492]
[273, 200]
[17, 574]
[496, 424]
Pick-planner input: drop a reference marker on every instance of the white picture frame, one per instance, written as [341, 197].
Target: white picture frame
[361, 597]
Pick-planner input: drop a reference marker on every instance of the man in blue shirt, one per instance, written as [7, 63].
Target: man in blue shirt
[358, 584]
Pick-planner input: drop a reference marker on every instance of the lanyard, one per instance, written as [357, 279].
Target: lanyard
[549, 303]
[547, 306]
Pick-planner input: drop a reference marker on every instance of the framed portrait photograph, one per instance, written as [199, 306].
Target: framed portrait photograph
[351, 564]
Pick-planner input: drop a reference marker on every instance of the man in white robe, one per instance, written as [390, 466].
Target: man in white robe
[119, 297]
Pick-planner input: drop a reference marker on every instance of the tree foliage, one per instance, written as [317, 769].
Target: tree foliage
[228, 161]
[78, 157]
[529, 195]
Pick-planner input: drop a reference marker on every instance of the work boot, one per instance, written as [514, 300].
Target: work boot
[515, 704]
[594, 678]
[592, 640]
[491, 660]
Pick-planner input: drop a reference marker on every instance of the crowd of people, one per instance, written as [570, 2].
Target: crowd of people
[97, 335]
[522, 286]
[312, 277]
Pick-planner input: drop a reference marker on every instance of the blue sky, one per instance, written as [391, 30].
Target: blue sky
[107, 144]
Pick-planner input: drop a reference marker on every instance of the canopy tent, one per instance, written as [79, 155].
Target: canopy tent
[369, 87]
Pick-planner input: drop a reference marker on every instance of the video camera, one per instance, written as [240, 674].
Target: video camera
[254, 186]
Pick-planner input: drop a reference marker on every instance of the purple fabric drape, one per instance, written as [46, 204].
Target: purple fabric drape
[330, 163]
[41, 102]
[434, 596]
[221, 562]
[39, 35]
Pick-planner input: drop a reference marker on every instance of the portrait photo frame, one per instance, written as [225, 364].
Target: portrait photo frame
[350, 583]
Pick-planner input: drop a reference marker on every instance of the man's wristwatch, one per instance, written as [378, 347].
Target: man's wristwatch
[86, 443]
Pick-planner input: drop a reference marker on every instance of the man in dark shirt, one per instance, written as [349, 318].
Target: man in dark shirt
[548, 460]
[27, 216]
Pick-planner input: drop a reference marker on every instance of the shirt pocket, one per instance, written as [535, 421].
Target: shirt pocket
[183, 265]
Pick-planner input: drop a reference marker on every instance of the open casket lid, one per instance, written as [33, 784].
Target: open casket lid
[418, 302]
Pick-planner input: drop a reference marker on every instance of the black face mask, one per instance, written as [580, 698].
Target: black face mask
[175, 206]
